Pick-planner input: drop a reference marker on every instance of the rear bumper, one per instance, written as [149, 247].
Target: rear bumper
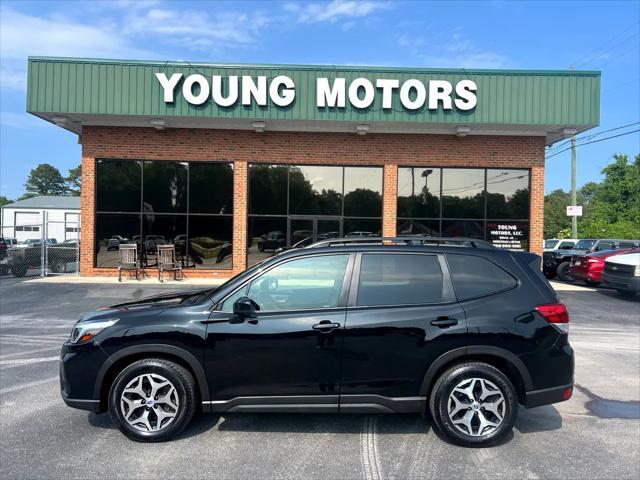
[537, 398]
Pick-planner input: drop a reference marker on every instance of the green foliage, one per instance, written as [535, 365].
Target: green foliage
[45, 179]
[611, 208]
[74, 181]
[4, 201]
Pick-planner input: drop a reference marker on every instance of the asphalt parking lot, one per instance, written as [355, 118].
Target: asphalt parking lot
[596, 434]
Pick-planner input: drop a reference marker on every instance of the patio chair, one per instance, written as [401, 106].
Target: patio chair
[167, 262]
[128, 259]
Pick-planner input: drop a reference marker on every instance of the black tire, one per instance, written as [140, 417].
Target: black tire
[185, 388]
[447, 382]
[563, 272]
[58, 266]
[549, 275]
[591, 283]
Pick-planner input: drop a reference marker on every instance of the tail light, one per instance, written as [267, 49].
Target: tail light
[555, 313]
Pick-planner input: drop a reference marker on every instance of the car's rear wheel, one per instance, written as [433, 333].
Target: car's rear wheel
[563, 272]
[474, 404]
[152, 400]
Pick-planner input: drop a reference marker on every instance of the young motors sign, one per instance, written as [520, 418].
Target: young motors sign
[360, 93]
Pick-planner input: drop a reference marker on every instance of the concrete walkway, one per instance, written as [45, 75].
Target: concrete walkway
[76, 279]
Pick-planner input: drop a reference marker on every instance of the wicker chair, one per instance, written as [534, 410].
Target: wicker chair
[167, 262]
[128, 259]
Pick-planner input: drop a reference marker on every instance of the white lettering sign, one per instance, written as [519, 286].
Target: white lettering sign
[574, 210]
[361, 93]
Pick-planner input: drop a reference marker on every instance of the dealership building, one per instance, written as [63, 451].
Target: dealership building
[232, 162]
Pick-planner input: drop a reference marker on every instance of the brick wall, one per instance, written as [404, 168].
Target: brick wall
[242, 147]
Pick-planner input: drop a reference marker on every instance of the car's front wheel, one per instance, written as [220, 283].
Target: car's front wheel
[474, 404]
[563, 272]
[152, 400]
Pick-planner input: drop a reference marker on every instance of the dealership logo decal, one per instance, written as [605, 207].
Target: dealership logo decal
[331, 93]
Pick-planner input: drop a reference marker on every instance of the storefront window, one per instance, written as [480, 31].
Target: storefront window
[268, 189]
[362, 191]
[266, 235]
[315, 190]
[491, 204]
[171, 196]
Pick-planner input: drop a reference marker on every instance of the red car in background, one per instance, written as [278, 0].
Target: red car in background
[588, 268]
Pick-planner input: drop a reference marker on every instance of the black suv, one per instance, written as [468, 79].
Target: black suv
[455, 328]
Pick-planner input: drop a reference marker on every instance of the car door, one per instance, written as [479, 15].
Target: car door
[291, 348]
[401, 316]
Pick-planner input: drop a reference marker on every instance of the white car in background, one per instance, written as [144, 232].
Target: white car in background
[554, 244]
[622, 272]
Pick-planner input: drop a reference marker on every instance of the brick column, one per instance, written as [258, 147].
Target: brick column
[240, 189]
[87, 214]
[536, 234]
[389, 200]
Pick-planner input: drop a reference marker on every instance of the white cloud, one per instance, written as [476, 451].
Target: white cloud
[452, 50]
[20, 120]
[334, 10]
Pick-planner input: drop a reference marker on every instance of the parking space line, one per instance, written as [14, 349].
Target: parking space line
[27, 361]
[27, 385]
[28, 352]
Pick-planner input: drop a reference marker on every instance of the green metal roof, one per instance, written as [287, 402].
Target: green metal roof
[130, 88]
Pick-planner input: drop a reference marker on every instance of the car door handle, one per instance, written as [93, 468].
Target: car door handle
[444, 322]
[326, 326]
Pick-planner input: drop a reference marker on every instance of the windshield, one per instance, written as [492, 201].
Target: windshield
[550, 243]
[584, 244]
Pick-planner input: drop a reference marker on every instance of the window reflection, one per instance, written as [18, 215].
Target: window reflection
[268, 189]
[118, 186]
[210, 241]
[111, 231]
[359, 227]
[419, 192]
[418, 227]
[161, 230]
[211, 188]
[165, 187]
[315, 190]
[266, 235]
[363, 191]
[463, 228]
[508, 194]
[463, 192]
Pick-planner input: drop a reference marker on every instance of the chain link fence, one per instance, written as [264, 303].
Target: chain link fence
[51, 247]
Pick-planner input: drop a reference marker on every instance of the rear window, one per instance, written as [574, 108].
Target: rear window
[476, 276]
[399, 280]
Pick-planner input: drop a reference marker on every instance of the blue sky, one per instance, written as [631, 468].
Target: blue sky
[588, 35]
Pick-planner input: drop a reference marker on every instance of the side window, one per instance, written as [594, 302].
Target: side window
[626, 245]
[399, 280]
[476, 276]
[605, 246]
[313, 282]
[566, 245]
[227, 306]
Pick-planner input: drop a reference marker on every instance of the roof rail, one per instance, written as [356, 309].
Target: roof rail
[406, 240]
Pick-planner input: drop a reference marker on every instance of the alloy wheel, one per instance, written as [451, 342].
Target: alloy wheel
[476, 407]
[149, 402]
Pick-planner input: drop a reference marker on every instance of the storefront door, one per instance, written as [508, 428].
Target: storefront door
[313, 229]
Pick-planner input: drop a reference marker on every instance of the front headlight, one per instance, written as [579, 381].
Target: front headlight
[85, 331]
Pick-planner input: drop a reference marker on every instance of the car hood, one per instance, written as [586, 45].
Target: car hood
[625, 259]
[151, 305]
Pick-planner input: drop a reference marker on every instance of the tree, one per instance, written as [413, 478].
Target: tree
[4, 201]
[74, 181]
[45, 179]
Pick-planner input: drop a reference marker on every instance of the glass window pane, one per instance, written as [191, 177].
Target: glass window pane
[476, 276]
[508, 234]
[315, 190]
[399, 280]
[314, 282]
[266, 235]
[268, 189]
[211, 187]
[508, 194]
[118, 186]
[162, 230]
[357, 227]
[419, 227]
[111, 231]
[164, 187]
[463, 193]
[419, 192]
[463, 228]
[210, 242]
[363, 191]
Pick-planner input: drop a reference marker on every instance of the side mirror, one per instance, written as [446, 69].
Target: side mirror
[243, 308]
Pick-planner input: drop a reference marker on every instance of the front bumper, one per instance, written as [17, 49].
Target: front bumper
[619, 282]
[79, 366]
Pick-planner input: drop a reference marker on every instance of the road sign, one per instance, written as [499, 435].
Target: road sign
[574, 210]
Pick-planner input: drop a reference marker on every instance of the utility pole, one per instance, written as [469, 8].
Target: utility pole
[574, 199]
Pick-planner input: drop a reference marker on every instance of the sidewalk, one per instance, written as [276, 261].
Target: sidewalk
[125, 280]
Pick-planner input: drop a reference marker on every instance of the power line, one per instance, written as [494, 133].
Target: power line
[593, 141]
[590, 57]
[593, 135]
